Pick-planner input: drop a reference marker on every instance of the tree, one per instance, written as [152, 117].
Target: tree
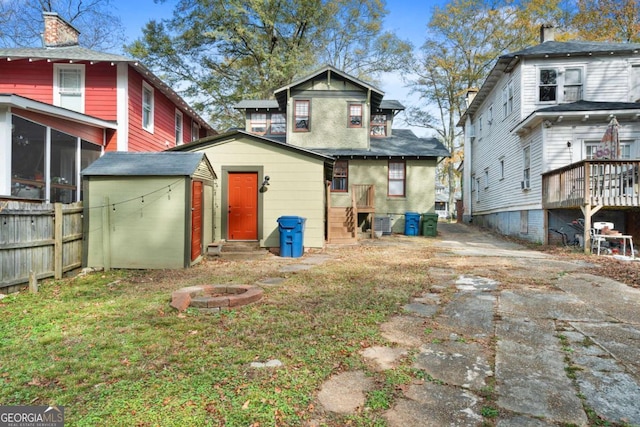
[222, 51]
[465, 38]
[608, 20]
[21, 22]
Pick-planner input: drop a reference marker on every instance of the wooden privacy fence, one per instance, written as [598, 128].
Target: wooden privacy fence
[43, 240]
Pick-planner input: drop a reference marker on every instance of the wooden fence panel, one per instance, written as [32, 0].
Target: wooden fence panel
[31, 242]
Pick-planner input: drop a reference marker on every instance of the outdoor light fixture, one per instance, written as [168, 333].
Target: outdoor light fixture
[266, 181]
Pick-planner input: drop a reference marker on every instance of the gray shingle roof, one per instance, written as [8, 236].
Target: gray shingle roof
[591, 106]
[574, 47]
[77, 53]
[403, 143]
[390, 104]
[145, 164]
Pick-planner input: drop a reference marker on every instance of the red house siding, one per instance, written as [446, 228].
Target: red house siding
[29, 79]
[100, 91]
[164, 126]
[88, 133]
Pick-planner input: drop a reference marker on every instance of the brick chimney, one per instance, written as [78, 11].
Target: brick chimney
[58, 32]
[547, 33]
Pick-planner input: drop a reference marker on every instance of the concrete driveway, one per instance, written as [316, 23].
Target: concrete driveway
[523, 338]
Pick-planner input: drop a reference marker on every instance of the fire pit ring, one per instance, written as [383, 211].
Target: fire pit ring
[215, 297]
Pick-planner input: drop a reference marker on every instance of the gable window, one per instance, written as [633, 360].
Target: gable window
[301, 118]
[560, 85]
[147, 107]
[278, 124]
[507, 99]
[340, 181]
[526, 169]
[379, 125]
[195, 131]
[69, 86]
[258, 123]
[355, 115]
[179, 123]
[396, 179]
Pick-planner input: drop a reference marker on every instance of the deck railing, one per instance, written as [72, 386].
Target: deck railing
[594, 182]
[363, 197]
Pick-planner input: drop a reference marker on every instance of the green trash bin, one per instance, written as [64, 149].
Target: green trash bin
[430, 224]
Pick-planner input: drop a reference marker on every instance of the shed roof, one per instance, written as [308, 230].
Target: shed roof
[147, 164]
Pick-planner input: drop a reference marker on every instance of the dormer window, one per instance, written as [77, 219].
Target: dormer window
[355, 115]
[259, 123]
[278, 124]
[301, 119]
[379, 125]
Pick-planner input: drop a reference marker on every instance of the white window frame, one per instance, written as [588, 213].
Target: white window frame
[486, 178]
[626, 149]
[195, 130]
[480, 120]
[150, 107]
[526, 168]
[179, 122]
[477, 180]
[561, 83]
[501, 168]
[57, 89]
[507, 99]
[490, 116]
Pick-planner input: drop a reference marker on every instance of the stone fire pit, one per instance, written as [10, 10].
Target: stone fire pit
[215, 297]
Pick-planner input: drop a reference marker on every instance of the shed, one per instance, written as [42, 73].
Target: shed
[147, 210]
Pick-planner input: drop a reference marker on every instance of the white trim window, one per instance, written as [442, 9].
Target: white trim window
[486, 178]
[179, 128]
[526, 168]
[147, 107]
[258, 123]
[556, 84]
[68, 86]
[595, 150]
[507, 99]
[195, 130]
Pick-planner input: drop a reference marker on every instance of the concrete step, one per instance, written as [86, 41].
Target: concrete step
[237, 250]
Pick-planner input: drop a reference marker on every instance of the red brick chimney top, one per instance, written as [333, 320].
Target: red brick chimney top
[58, 32]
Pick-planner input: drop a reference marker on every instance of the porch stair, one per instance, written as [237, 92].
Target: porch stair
[237, 250]
[342, 226]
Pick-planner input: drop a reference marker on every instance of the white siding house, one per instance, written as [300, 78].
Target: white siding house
[533, 134]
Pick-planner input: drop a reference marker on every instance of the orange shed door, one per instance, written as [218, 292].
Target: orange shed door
[242, 212]
[196, 219]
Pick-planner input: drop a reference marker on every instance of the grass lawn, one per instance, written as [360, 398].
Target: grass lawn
[108, 347]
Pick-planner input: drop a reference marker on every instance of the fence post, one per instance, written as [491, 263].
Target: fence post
[58, 232]
[106, 238]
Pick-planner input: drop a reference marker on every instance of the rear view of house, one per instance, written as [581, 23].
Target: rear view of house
[62, 106]
[537, 154]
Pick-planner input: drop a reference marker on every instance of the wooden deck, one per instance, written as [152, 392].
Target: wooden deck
[606, 183]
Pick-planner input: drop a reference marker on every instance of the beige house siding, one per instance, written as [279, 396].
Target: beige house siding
[296, 187]
[132, 223]
[419, 191]
[329, 124]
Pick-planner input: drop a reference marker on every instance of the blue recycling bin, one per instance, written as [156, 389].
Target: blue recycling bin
[411, 223]
[291, 230]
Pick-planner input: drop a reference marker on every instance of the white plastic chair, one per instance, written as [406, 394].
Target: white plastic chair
[596, 231]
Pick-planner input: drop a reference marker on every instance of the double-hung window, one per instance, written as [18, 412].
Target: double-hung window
[596, 150]
[147, 107]
[507, 99]
[259, 123]
[179, 127]
[195, 130]
[278, 124]
[69, 86]
[301, 119]
[526, 169]
[560, 84]
[379, 125]
[340, 182]
[355, 115]
[396, 179]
